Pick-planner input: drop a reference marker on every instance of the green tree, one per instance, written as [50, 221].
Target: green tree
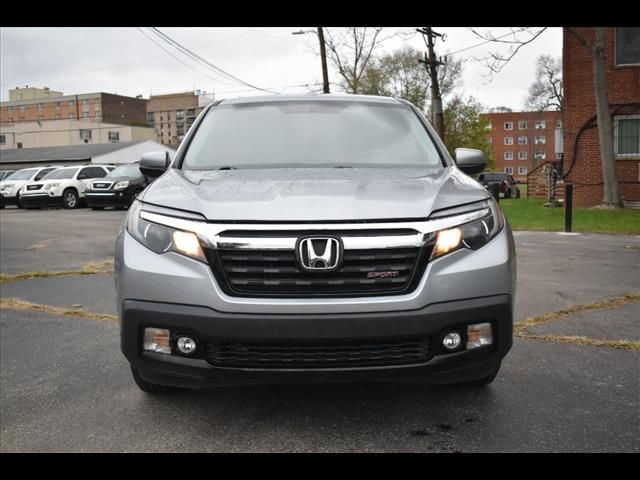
[400, 74]
[464, 127]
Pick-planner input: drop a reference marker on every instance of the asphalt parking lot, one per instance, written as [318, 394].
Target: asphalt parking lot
[570, 384]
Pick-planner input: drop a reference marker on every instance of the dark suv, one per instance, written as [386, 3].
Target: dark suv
[118, 189]
[506, 184]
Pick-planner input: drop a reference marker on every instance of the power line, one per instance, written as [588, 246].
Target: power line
[480, 44]
[176, 58]
[119, 64]
[188, 52]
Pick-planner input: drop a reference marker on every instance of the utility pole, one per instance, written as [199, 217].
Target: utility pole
[431, 64]
[323, 56]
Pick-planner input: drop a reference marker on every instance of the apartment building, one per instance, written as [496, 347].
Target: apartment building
[582, 163]
[89, 107]
[56, 133]
[173, 114]
[522, 140]
[32, 93]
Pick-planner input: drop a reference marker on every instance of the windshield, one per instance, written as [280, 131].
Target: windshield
[60, 174]
[22, 174]
[131, 170]
[311, 134]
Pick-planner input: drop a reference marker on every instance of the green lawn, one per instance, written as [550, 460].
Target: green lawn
[530, 214]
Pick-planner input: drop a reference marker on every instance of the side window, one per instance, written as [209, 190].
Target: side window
[42, 173]
[92, 172]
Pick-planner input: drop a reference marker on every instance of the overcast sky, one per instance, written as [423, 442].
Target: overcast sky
[125, 61]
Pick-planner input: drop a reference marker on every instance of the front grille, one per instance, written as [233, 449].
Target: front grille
[319, 355]
[101, 185]
[34, 187]
[276, 273]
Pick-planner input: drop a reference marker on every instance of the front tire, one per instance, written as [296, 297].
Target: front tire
[149, 387]
[70, 199]
[18, 202]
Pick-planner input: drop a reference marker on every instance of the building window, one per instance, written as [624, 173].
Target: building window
[3, 140]
[21, 108]
[540, 155]
[97, 101]
[541, 124]
[191, 112]
[508, 125]
[85, 108]
[169, 116]
[10, 121]
[558, 156]
[489, 126]
[627, 136]
[85, 114]
[85, 101]
[57, 105]
[96, 112]
[150, 119]
[39, 106]
[179, 114]
[540, 140]
[559, 124]
[508, 155]
[10, 108]
[508, 170]
[40, 117]
[114, 137]
[627, 46]
[522, 155]
[522, 125]
[72, 115]
[57, 116]
[508, 140]
[23, 119]
[522, 170]
[72, 103]
[522, 140]
[85, 135]
[19, 145]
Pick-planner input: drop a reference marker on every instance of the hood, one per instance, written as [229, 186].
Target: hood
[314, 194]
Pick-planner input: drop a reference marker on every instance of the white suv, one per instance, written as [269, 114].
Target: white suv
[11, 189]
[65, 186]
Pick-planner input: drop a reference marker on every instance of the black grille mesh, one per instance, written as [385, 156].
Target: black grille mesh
[318, 355]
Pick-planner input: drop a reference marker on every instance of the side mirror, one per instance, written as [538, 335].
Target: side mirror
[470, 160]
[154, 164]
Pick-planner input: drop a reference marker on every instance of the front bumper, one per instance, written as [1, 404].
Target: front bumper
[208, 325]
[4, 201]
[40, 200]
[121, 198]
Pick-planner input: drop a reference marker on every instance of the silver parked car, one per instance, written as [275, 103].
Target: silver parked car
[314, 238]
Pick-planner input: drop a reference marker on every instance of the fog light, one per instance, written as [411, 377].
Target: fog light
[479, 335]
[156, 340]
[186, 345]
[452, 340]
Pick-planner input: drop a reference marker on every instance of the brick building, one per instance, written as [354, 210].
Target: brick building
[173, 114]
[582, 164]
[522, 140]
[95, 107]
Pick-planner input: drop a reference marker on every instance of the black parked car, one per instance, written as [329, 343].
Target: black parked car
[118, 189]
[506, 184]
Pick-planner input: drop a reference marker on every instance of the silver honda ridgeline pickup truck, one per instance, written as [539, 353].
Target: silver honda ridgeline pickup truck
[314, 238]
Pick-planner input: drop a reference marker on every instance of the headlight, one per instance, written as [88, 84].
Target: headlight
[50, 186]
[121, 185]
[161, 239]
[472, 235]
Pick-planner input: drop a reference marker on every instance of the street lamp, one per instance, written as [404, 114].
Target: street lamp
[323, 55]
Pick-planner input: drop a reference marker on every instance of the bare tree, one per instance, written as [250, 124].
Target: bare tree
[545, 93]
[496, 61]
[350, 50]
